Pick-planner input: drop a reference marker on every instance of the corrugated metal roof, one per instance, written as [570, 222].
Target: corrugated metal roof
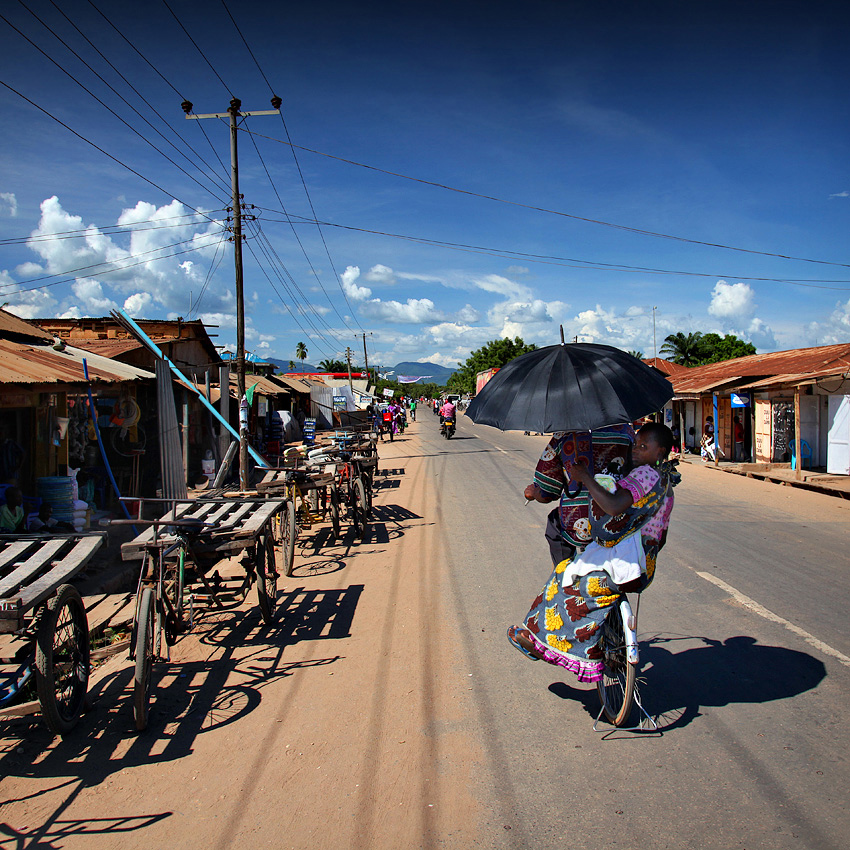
[666, 367]
[11, 324]
[265, 385]
[41, 364]
[108, 347]
[824, 359]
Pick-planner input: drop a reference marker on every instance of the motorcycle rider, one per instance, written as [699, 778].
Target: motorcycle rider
[447, 412]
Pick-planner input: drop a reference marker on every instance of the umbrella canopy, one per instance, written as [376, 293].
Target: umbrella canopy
[570, 387]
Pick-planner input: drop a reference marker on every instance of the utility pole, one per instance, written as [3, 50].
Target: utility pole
[365, 353]
[233, 112]
[654, 347]
[348, 353]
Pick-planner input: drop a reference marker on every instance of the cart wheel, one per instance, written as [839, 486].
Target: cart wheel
[286, 553]
[62, 660]
[335, 513]
[144, 659]
[266, 578]
[359, 508]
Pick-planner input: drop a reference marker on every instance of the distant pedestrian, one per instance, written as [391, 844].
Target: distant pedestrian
[739, 438]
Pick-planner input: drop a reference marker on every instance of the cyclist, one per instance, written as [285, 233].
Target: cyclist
[628, 525]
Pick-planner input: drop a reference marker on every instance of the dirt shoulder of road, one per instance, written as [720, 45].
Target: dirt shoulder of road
[345, 723]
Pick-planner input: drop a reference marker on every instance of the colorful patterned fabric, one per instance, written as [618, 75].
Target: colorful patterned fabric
[601, 449]
[563, 623]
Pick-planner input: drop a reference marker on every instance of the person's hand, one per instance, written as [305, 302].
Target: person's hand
[530, 493]
[579, 471]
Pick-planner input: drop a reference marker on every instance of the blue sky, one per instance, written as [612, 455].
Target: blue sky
[592, 125]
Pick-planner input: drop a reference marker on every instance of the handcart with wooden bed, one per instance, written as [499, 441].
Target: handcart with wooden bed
[44, 633]
[180, 553]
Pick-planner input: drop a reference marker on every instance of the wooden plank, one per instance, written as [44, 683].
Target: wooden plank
[135, 548]
[20, 710]
[14, 648]
[112, 609]
[44, 587]
[261, 516]
[31, 567]
[13, 551]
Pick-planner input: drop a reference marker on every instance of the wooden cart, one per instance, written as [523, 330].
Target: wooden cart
[43, 626]
[195, 535]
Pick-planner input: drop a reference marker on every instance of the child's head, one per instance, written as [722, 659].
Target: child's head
[45, 511]
[14, 497]
[653, 443]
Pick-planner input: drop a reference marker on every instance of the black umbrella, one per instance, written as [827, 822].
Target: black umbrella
[570, 387]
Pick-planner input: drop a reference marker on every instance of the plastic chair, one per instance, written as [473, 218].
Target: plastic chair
[805, 454]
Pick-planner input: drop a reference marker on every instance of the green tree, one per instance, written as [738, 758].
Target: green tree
[715, 348]
[301, 353]
[331, 365]
[638, 354]
[685, 349]
[497, 352]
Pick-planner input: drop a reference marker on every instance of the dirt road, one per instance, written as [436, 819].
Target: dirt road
[347, 724]
[385, 709]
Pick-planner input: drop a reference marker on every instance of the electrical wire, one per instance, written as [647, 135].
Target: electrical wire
[570, 262]
[102, 230]
[98, 148]
[104, 105]
[197, 47]
[15, 287]
[213, 268]
[624, 227]
[162, 77]
[303, 183]
[212, 173]
[297, 238]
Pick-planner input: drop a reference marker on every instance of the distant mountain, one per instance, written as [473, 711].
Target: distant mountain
[437, 374]
[283, 366]
[432, 373]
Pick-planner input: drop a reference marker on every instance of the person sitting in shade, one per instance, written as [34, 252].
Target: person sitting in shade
[12, 513]
[44, 520]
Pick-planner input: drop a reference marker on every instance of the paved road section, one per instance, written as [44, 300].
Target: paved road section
[385, 708]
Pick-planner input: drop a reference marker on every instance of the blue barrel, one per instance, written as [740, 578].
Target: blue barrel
[58, 492]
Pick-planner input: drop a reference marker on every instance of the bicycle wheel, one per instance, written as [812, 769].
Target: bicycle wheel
[286, 552]
[358, 507]
[62, 660]
[334, 508]
[617, 687]
[266, 578]
[173, 591]
[144, 659]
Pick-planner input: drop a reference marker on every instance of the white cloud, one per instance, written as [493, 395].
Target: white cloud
[29, 269]
[94, 302]
[517, 270]
[732, 302]
[844, 194]
[468, 315]
[9, 203]
[350, 287]
[502, 286]
[836, 329]
[380, 274]
[138, 305]
[412, 311]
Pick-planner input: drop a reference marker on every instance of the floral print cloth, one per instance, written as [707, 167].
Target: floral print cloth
[564, 622]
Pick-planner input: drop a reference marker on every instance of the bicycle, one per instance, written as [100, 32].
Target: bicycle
[304, 506]
[617, 689]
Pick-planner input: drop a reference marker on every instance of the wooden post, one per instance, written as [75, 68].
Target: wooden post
[798, 449]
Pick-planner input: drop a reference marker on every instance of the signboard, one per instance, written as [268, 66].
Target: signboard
[339, 402]
[309, 431]
[388, 392]
[741, 400]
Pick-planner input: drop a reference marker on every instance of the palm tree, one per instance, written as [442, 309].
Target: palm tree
[685, 349]
[638, 354]
[301, 353]
[330, 365]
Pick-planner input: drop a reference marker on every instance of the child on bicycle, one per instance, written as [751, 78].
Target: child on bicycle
[628, 527]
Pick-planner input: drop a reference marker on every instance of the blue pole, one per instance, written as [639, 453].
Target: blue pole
[155, 349]
[93, 412]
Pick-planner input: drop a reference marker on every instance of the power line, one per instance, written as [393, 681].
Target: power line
[213, 268]
[147, 103]
[570, 262]
[297, 238]
[162, 77]
[12, 287]
[624, 227]
[197, 47]
[98, 148]
[104, 105]
[303, 183]
[102, 230]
